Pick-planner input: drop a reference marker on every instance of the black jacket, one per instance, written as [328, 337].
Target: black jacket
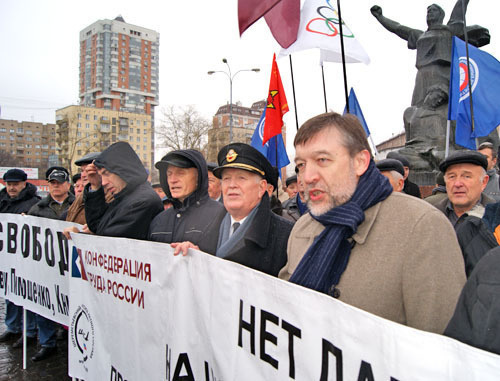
[49, 208]
[412, 189]
[475, 240]
[264, 245]
[196, 219]
[133, 208]
[476, 320]
[20, 204]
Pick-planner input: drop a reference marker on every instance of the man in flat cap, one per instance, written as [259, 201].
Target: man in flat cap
[409, 188]
[214, 186]
[250, 233]
[194, 216]
[291, 186]
[394, 171]
[466, 178]
[76, 212]
[120, 173]
[51, 206]
[350, 244]
[17, 197]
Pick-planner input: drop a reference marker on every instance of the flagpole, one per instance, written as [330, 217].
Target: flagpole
[293, 91]
[468, 68]
[343, 56]
[324, 88]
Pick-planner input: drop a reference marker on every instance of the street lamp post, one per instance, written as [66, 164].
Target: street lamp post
[231, 78]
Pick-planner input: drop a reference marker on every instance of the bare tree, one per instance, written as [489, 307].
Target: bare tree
[7, 160]
[182, 128]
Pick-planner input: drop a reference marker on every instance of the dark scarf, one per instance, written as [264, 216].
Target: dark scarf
[302, 207]
[326, 259]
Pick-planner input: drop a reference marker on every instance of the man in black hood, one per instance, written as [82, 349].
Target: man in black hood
[134, 202]
[194, 217]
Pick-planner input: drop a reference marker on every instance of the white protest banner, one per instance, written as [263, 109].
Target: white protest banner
[143, 314]
[34, 264]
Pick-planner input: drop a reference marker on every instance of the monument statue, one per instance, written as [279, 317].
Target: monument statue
[425, 119]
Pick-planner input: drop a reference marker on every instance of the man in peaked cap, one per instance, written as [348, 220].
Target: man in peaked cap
[409, 188]
[394, 171]
[52, 206]
[194, 216]
[250, 234]
[465, 177]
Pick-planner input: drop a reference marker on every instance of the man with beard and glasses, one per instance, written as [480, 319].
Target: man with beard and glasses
[385, 252]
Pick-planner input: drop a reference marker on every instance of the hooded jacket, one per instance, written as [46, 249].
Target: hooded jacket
[133, 208]
[197, 219]
[20, 204]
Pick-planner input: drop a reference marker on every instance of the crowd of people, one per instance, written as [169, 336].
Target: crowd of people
[352, 228]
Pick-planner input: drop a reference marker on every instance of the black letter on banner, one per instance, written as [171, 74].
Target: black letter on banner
[292, 331]
[1, 242]
[25, 241]
[63, 252]
[11, 238]
[330, 348]
[113, 373]
[183, 360]
[365, 372]
[168, 354]
[266, 336]
[49, 248]
[250, 327]
[37, 247]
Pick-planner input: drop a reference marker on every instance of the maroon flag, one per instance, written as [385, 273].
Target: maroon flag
[282, 17]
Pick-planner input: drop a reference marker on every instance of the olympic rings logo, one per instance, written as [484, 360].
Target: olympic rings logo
[329, 16]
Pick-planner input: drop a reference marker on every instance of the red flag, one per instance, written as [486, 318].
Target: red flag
[277, 105]
[282, 17]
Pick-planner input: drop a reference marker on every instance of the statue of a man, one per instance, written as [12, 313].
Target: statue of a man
[425, 120]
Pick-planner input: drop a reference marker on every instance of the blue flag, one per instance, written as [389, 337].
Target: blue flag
[269, 149]
[485, 82]
[355, 109]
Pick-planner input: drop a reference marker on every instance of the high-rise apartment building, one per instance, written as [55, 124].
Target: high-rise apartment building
[89, 129]
[119, 68]
[245, 120]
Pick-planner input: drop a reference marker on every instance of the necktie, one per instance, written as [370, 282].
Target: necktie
[236, 225]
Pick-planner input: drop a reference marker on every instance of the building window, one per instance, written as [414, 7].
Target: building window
[79, 116]
[87, 116]
[138, 130]
[145, 124]
[145, 140]
[20, 130]
[78, 125]
[138, 139]
[87, 125]
[144, 148]
[95, 117]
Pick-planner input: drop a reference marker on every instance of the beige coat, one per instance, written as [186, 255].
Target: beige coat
[406, 265]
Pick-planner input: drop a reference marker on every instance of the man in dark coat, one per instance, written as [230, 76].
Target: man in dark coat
[250, 233]
[134, 203]
[52, 206]
[295, 207]
[476, 320]
[194, 217]
[17, 197]
[409, 188]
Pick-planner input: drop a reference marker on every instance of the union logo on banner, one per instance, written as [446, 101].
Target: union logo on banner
[465, 75]
[82, 334]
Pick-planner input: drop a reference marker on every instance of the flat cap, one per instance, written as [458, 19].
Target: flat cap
[87, 159]
[59, 174]
[390, 165]
[291, 179]
[461, 157]
[244, 156]
[76, 177]
[398, 156]
[15, 174]
[175, 159]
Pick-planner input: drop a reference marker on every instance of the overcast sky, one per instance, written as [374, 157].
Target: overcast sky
[39, 42]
